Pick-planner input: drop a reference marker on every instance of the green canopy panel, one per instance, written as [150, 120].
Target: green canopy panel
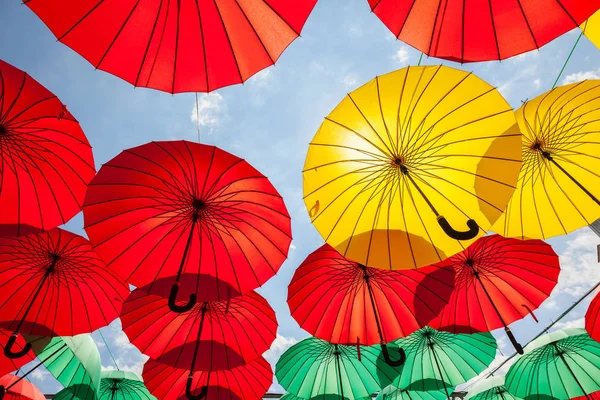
[393, 393]
[490, 389]
[123, 385]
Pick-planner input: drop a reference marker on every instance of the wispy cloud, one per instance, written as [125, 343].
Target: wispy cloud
[278, 347]
[209, 111]
[579, 264]
[350, 81]
[581, 76]
[402, 56]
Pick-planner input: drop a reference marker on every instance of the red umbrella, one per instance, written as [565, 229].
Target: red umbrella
[224, 334]
[468, 31]
[593, 396]
[54, 284]
[8, 365]
[46, 161]
[177, 46]
[344, 302]
[11, 388]
[592, 319]
[498, 281]
[248, 382]
[170, 213]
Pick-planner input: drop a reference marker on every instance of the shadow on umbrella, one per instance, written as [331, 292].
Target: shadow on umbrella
[385, 374]
[208, 287]
[12, 230]
[77, 391]
[224, 357]
[425, 312]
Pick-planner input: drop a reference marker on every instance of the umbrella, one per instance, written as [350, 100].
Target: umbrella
[440, 357]
[498, 281]
[166, 214]
[490, 389]
[561, 365]
[177, 46]
[591, 28]
[314, 367]
[344, 302]
[592, 319]
[247, 382]
[13, 388]
[406, 160]
[119, 385]
[46, 161]
[480, 31]
[52, 284]
[7, 364]
[211, 336]
[559, 186]
[393, 393]
[593, 396]
[289, 396]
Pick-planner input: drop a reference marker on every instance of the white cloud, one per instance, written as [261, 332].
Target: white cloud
[262, 78]
[40, 374]
[579, 264]
[209, 110]
[278, 347]
[551, 304]
[401, 56]
[576, 323]
[350, 81]
[581, 76]
[292, 246]
[537, 83]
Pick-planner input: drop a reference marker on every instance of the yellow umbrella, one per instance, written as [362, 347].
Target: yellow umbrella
[412, 167]
[591, 28]
[559, 184]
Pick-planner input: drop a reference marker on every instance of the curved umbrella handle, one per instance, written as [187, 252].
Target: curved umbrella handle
[2, 392]
[10, 343]
[173, 298]
[513, 340]
[459, 235]
[188, 390]
[388, 359]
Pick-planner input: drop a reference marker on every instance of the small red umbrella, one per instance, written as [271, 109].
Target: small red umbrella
[54, 284]
[592, 318]
[211, 336]
[8, 365]
[468, 31]
[247, 382]
[177, 46]
[498, 281]
[11, 388]
[46, 161]
[166, 214]
[343, 302]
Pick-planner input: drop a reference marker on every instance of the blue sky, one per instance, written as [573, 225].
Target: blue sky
[270, 120]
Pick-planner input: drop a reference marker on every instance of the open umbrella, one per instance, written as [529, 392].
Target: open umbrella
[591, 28]
[592, 319]
[438, 360]
[559, 185]
[7, 364]
[52, 284]
[498, 281]
[177, 46]
[393, 393]
[480, 31]
[490, 389]
[211, 336]
[593, 396]
[46, 161]
[403, 163]
[560, 365]
[121, 385]
[18, 389]
[166, 214]
[247, 382]
[314, 367]
[344, 302]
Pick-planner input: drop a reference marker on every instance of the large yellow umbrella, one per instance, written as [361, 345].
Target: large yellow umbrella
[412, 167]
[591, 28]
[559, 184]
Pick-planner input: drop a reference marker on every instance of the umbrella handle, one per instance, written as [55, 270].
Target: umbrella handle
[513, 340]
[459, 235]
[10, 343]
[2, 391]
[388, 359]
[188, 390]
[173, 298]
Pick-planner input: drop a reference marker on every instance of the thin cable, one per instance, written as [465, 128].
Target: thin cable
[198, 117]
[567, 60]
[420, 58]
[108, 348]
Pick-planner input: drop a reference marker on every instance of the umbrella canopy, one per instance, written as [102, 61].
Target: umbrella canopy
[591, 28]
[404, 163]
[7, 364]
[73, 361]
[480, 31]
[490, 389]
[175, 213]
[498, 281]
[211, 336]
[393, 393]
[561, 365]
[52, 284]
[593, 396]
[314, 367]
[559, 187]
[46, 161]
[12, 388]
[122, 385]
[179, 46]
[344, 302]
[247, 382]
[592, 319]
[435, 356]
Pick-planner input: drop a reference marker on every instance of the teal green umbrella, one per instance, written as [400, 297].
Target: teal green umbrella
[315, 368]
[393, 393]
[490, 389]
[74, 361]
[560, 365]
[289, 396]
[117, 385]
[435, 358]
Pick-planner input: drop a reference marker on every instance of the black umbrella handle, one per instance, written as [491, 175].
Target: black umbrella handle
[9, 353]
[459, 235]
[188, 390]
[2, 392]
[388, 359]
[513, 340]
[173, 300]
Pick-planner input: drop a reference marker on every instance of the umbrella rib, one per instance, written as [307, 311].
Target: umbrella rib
[229, 39]
[150, 39]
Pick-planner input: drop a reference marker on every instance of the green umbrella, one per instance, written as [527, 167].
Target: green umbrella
[289, 396]
[118, 385]
[74, 361]
[490, 389]
[393, 393]
[314, 368]
[560, 365]
[438, 360]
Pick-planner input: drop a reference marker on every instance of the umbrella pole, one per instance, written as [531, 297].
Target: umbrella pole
[437, 364]
[188, 388]
[198, 205]
[337, 353]
[562, 357]
[509, 333]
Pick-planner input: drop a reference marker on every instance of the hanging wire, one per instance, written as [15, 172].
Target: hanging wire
[198, 117]
[108, 348]
[420, 59]
[567, 60]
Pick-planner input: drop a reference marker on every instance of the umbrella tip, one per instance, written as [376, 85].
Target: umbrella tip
[3, 130]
